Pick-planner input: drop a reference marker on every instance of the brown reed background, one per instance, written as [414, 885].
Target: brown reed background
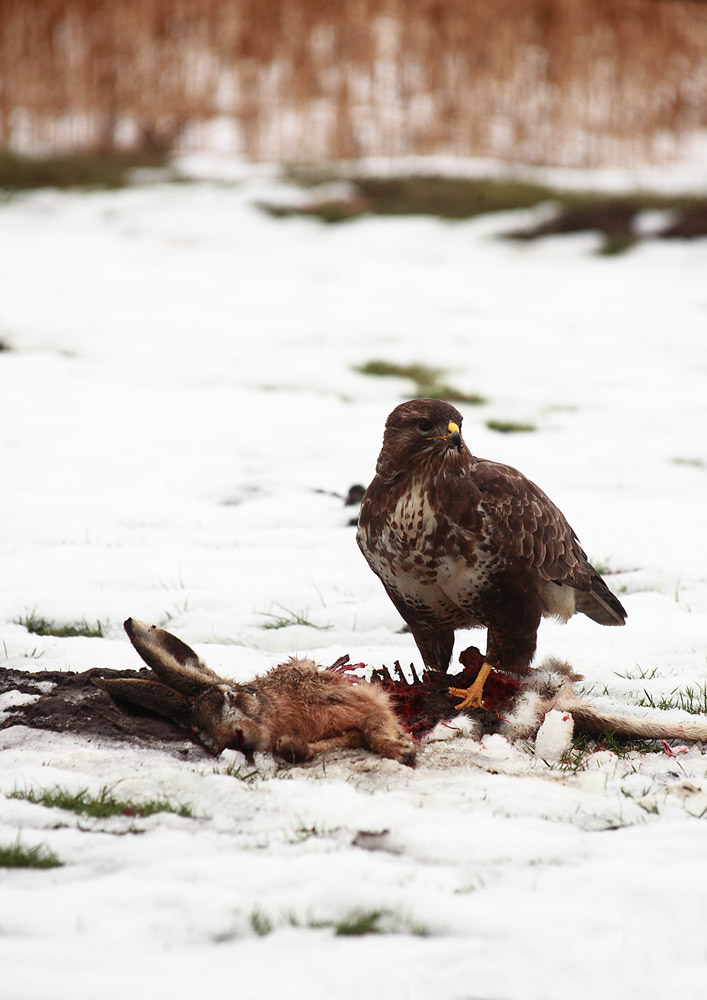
[578, 82]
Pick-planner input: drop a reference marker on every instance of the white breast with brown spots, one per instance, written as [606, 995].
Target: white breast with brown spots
[426, 569]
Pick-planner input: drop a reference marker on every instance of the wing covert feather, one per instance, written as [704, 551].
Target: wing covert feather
[522, 521]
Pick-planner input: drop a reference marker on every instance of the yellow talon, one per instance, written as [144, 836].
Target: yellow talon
[471, 697]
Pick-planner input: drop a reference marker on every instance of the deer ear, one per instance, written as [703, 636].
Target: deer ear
[172, 660]
[151, 695]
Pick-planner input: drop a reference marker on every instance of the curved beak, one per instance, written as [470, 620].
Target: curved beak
[454, 435]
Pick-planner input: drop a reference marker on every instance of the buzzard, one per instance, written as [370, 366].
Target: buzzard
[463, 542]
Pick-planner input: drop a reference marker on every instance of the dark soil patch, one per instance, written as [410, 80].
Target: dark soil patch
[615, 220]
[75, 705]
[689, 225]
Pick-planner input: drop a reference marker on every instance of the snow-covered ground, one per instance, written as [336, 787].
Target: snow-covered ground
[178, 413]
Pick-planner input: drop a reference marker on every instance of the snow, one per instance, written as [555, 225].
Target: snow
[179, 420]
[554, 737]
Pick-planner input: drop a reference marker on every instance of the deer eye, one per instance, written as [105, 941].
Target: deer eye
[424, 425]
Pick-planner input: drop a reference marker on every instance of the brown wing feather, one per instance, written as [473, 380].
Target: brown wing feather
[528, 526]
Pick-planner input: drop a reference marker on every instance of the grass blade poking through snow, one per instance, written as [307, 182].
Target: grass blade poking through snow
[99, 806]
[44, 626]
[18, 856]
[288, 618]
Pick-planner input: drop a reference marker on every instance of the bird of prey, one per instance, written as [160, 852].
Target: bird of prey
[462, 542]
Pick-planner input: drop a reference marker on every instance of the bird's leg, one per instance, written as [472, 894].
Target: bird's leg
[471, 697]
[435, 647]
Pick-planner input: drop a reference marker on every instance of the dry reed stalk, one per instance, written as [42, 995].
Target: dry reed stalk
[556, 81]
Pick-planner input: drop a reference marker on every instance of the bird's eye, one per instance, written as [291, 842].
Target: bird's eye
[424, 425]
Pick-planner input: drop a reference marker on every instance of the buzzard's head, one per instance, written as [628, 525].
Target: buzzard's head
[421, 430]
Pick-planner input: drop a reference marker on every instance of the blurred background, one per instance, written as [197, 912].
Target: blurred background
[561, 82]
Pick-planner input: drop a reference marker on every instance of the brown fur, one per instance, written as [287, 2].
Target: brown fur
[296, 710]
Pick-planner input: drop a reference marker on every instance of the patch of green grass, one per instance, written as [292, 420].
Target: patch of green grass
[443, 390]
[261, 923]
[585, 744]
[288, 618]
[467, 888]
[641, 674]
[615, 243]
[44, 626]
[616, 743]
[448, 197]
[425, 379]
[358, 924]
[238, 772]
[416, 372]
[689, 699]
[18, 856]
[444, 197]
[691, 463]
[575, 760]
[381, 921]
[100, 806]
[510, 427]
[93, 170]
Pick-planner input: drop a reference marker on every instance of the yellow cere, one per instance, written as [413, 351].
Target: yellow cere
[452, 428]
